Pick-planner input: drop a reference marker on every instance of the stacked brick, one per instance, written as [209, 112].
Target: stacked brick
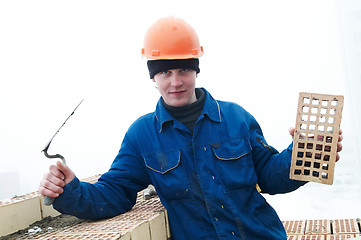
[146, 221]
[323, 229]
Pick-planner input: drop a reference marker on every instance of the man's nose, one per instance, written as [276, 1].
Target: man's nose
[176, 81]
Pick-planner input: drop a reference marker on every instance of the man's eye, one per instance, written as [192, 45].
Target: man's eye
[165, 72]
[185, 70]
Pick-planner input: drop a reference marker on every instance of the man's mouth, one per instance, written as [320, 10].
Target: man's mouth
[177, 93]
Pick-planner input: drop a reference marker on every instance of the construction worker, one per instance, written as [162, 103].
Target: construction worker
[205, 158]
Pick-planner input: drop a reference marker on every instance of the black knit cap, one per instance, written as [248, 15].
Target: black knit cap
[157, 66]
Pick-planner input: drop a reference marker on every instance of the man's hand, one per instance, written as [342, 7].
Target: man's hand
[339, 144]
[53, 182]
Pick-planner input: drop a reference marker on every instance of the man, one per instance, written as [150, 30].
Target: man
[206, 158]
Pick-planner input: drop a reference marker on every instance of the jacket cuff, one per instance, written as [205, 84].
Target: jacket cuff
[71, 194]
[290, 147]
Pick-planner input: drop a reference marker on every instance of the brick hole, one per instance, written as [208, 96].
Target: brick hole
[313, 118]
[297, 172]
[334, 102]
[332, 111]
[321, 128]
[301, 145]
[308, 154]
[320, 138]
[305, 109]
[324, 175]
[304, 118]
[331, 120]
[330, 129]
[319, 147]
[324, 103]
[310, 136]
[306, 100]
[314, 110]
[322, 119]
[318, 155]
[312, 127]
[306, 172]
[329, 139]
[315, 173]
[325, 166]
[327, 148]
[307, 164]
[323, 111]
[300, 154]
[309, 145]
[316, 165]
[299, 163]
[326, 157]
[331, 227]
[315, 101]
[303, 126]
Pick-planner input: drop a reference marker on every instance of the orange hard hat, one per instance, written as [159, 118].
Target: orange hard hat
[171, 38]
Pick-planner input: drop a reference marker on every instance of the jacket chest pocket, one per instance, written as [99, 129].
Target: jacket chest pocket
[168, 174]
[234, 164]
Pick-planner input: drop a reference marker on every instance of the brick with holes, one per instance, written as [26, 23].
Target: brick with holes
[316, 135]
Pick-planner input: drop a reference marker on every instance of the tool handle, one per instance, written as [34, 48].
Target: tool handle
[48, 200]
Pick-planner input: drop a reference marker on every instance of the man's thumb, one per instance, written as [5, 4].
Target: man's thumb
[68, 173]
[291, 130]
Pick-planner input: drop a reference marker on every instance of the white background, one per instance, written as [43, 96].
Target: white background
[260, 54]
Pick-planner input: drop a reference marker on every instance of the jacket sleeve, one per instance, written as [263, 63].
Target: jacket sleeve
[113, 194]
[272, 167]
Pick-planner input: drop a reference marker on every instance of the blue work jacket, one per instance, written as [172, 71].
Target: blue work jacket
[206, 179]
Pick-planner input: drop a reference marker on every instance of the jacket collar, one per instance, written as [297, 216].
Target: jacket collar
[210, 109]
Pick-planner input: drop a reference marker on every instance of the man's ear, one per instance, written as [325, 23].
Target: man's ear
[156, 85]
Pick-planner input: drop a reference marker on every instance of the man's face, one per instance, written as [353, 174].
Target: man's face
[177, 86]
